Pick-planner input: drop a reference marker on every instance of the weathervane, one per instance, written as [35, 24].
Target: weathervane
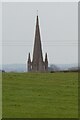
[37, 12]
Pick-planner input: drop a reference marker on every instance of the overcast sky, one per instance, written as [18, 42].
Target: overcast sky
[58, 27]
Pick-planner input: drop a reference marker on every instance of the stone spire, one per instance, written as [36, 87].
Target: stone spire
[37, 52]
[37, 64]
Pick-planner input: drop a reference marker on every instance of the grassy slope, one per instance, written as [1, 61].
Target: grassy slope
[40, 95]
[0, 95]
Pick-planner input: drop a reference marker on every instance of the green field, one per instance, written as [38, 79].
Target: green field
[40, 95]
[0, 95]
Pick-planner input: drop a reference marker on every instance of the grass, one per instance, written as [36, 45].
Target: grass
[40, 95]
[0, 95]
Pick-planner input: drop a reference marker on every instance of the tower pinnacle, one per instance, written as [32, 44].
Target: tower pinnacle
[29, 63]
[46, 57]
[29, 59]
[46, 62]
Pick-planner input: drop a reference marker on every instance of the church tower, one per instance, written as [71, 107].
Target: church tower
[37, 64]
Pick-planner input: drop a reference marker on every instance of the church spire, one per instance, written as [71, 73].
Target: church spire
[37, 64]
[37, 53]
